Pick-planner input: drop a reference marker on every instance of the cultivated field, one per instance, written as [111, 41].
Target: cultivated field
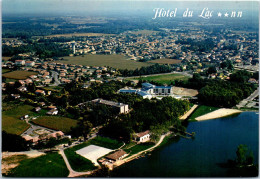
[6, 58]
[165, 61]
[11, 122]
[79, 35]
[19, 75]
[56, 122]
[115, 61]
[144, 32]
[163, 79]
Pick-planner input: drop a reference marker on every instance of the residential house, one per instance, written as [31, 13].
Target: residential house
[142, 136]
[19, 62]
[118, 155]
[40, 92]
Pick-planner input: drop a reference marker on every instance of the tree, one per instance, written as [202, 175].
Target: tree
[14, 143]
[211, 70]
[244, 156]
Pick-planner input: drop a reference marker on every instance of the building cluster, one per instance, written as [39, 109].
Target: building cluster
[149, 91]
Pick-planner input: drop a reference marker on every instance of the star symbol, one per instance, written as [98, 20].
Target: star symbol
[219, 14]
[226, 15]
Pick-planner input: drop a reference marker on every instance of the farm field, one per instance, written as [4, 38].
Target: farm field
[4, 70]
[165, 61]
[6, 58]
[79, 35]
[11, 122]
[19, 75]
[115, 61]
[163, 79]
[56, 122]
[49, 165]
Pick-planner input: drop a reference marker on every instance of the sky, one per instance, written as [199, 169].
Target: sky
[91, 7]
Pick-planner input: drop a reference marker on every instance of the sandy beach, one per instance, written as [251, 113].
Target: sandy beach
[218, 114]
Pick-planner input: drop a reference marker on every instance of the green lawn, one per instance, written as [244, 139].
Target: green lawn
[19, 74]
[56, 122]
[106, 142]
[49, 165]
[138, 148]
[115, 61]
[201, 110]
[4, 70]
[163, 79]
[77, 162]
[11, 122]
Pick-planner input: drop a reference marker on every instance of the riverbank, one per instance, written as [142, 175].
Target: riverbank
[128, 159]
[223, 112]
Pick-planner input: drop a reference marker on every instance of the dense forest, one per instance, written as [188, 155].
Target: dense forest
[154, 69]
[221, 93]
[43, 50]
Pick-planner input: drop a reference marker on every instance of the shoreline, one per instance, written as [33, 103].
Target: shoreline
[135, 156]
[222, 112]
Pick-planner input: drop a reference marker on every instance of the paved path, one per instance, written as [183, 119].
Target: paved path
[187, 114]
[72, 173]
[120, 162]
[249, 98]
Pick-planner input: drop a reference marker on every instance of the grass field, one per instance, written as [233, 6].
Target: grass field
[4, 70]
[138, 148]
[11, 122]
[49, 165]
[79, 35]
[163, 79]
[19, 75]
[165, 61]
[77, 162]
[56, 122]
[201, 110]
[6, 58]
[115, 61]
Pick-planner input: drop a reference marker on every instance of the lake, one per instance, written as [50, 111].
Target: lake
[215, 143]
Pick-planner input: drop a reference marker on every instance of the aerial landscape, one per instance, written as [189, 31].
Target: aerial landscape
[130, 88]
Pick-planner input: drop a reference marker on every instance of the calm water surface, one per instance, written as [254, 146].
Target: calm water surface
[215, 142]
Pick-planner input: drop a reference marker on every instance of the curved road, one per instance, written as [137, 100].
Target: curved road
[72, 173]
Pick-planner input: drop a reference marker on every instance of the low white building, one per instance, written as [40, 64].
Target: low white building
[142, 136]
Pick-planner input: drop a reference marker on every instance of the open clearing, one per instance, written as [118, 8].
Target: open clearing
[56, 122]
[6, 58]
[19, 75]
[93, 152]
[184, 91]
[163, 79]
[165, 61]
[115, 61]
[49, 165]
[79, 35]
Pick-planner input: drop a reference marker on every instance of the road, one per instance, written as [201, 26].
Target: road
[185, 73]
[249, 98]
[54, 75]
[72, 173]
[35, 127]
